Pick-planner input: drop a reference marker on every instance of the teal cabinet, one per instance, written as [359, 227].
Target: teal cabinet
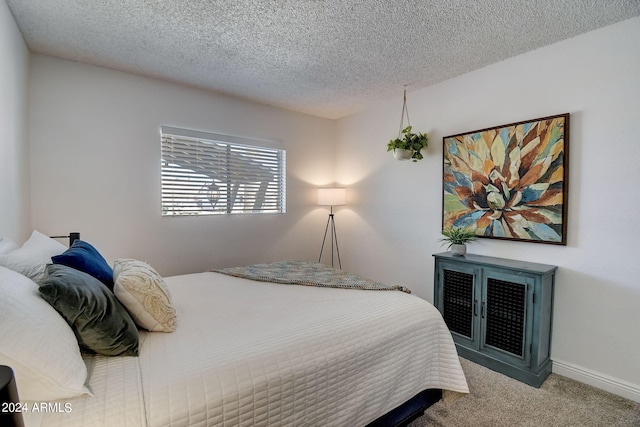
[499, 312]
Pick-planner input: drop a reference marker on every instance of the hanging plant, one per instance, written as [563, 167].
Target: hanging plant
[412, 142]
[407, 145]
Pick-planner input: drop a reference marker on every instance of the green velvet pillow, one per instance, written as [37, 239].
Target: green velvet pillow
[99, 321]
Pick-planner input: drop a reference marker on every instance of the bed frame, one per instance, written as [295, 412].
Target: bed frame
[73, 236]
[408, 411]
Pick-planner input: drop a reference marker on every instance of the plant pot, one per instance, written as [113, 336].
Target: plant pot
[458, 250]
[402, 154]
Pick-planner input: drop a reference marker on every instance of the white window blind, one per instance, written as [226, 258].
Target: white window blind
[207, 174]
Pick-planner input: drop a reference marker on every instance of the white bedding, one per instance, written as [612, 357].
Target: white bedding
[248, 353]
[117, 400]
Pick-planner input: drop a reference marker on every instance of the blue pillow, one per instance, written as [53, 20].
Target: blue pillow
[84, 257]
[99, 321]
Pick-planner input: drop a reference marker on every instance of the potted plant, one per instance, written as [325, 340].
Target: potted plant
[408, 145]
[457, 238]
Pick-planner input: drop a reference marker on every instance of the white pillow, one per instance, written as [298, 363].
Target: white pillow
[37, 343]
[32, 258]
[145, 294]
[7, 245]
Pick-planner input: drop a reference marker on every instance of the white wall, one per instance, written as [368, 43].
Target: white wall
[393, 221]
[95, 163]
[14, 166]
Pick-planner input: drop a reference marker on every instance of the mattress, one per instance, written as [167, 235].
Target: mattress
[117, 398]
[248, 353]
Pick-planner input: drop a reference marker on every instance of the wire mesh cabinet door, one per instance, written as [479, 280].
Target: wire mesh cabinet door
[457, 296]
[507, 316]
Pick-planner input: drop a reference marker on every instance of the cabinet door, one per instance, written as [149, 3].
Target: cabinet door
[507, 316]
[459, 295]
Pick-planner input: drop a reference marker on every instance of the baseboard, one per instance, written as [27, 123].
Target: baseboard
[596, 379]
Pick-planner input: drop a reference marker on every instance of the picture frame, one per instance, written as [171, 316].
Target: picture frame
[509, 182]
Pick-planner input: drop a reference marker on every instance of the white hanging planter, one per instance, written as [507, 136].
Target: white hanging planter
[408, 145]
[402, 154]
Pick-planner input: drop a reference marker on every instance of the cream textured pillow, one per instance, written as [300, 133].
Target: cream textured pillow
[145, 294]
[37, 343]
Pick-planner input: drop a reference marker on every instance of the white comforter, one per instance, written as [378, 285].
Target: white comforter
[249, 353]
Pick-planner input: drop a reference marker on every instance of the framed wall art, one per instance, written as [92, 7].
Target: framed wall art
[509, 182]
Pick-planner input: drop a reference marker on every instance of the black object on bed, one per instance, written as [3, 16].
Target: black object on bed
[408, 411]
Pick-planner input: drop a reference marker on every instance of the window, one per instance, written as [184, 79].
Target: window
[208, 174]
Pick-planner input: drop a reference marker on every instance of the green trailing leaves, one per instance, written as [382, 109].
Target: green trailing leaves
[414, 142]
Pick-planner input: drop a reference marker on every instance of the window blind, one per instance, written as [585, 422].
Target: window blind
[207, 174]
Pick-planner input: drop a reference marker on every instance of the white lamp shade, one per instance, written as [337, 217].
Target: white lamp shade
[332, 196]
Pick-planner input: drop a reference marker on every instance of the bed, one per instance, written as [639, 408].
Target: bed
[249, 352]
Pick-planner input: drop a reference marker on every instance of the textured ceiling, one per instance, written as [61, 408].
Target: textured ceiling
[328, 58]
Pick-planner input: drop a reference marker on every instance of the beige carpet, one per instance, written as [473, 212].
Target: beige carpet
[497, 400]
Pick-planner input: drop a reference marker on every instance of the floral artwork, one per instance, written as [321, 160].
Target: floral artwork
[509, 182]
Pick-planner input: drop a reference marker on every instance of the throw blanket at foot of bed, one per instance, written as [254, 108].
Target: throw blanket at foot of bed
[308, 274]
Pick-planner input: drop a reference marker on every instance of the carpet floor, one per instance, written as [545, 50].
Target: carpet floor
[496, 400]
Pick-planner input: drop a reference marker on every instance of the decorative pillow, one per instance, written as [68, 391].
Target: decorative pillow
[7, 245]
[32, 257]
[37, 343]
[145, 294]
[99, 321]
[84, 257]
